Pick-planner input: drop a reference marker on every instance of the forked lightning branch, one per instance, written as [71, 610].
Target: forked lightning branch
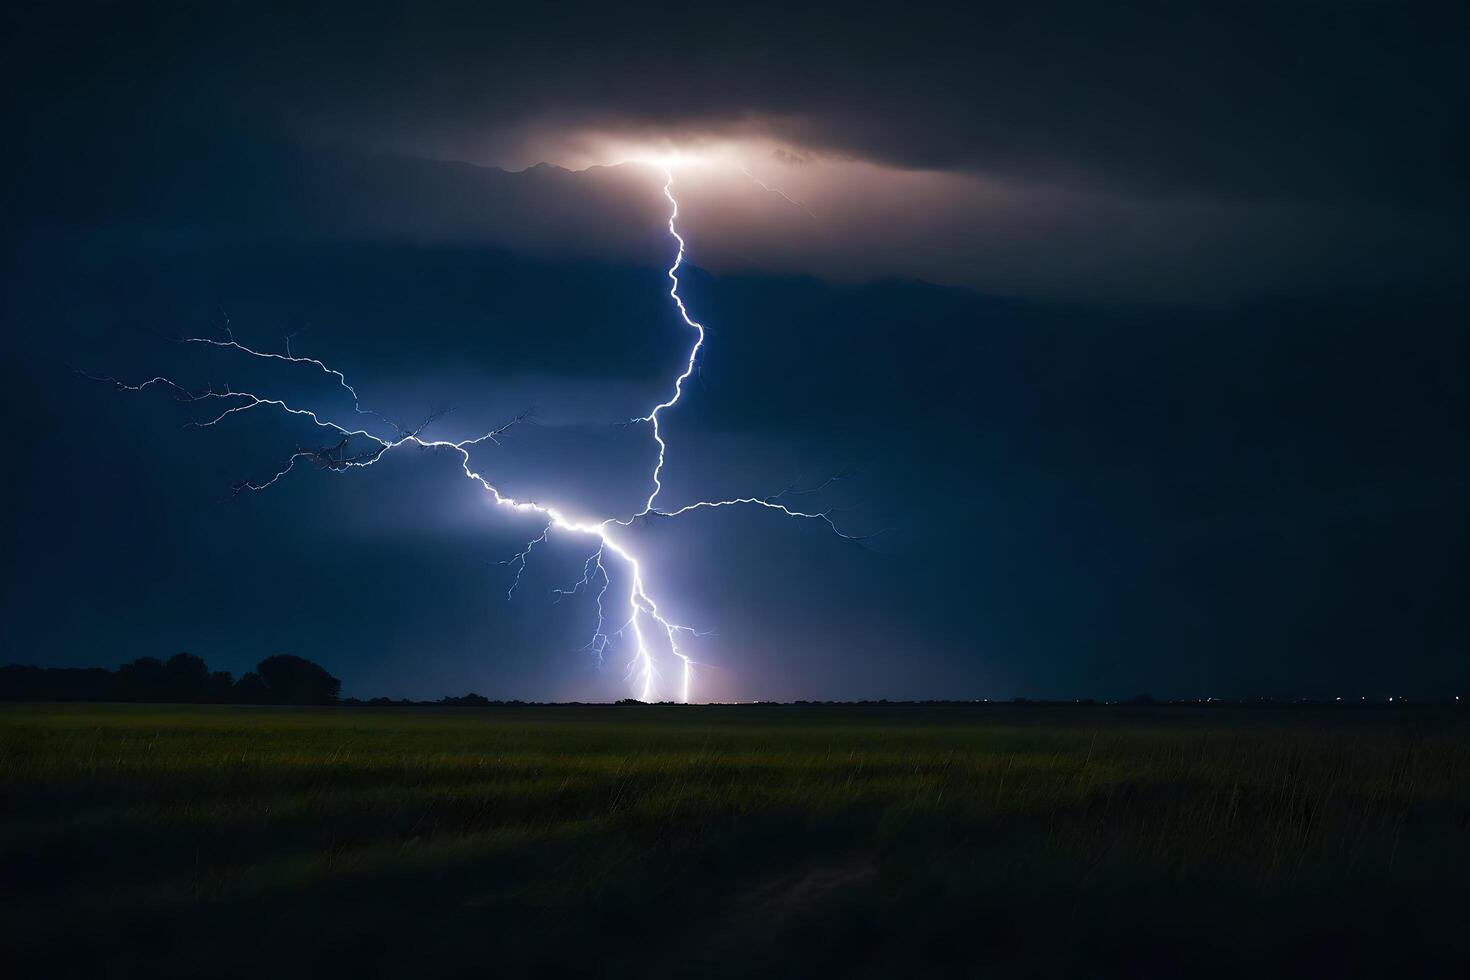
[627, 612]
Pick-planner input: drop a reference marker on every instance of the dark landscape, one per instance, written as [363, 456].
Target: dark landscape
[987, 840]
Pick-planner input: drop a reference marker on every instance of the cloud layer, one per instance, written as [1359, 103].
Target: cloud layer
[1258, 99]
[1220, 152]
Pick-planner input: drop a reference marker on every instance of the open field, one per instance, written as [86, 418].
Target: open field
[726, 841]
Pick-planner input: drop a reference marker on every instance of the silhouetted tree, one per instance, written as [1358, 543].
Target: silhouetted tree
[250, 689]
[185, 678]
[471, 700]
[295, 680]
[221, 686]
[142, 680]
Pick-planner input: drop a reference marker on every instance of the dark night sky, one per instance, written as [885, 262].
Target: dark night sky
[1140, 332]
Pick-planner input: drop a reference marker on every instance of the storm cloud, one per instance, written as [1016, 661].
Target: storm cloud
[1258, 99]
[1136, 329]
[1246, 146]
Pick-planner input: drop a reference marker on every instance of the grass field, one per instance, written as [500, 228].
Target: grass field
[731, 841]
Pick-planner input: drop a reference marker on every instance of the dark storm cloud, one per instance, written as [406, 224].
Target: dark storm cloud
[224, 190]
[1353, 100]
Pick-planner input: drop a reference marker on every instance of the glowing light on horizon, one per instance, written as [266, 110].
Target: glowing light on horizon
[638, 616]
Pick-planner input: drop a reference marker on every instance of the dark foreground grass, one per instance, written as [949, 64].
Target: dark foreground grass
[629, 841]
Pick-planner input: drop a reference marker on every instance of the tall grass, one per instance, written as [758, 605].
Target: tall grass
[675, 833]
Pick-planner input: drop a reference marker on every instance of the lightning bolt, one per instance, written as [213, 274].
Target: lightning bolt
[634, 613]
[673, 274]
[778, 192]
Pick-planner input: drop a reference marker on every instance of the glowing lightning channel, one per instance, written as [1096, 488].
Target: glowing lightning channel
[640, 614]
[778, 192]
[673, 274]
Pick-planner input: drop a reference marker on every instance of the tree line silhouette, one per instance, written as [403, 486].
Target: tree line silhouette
[183, 678]
[285, 679]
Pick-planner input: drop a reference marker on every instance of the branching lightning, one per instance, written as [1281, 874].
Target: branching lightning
[631, 611]
[778, 192]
